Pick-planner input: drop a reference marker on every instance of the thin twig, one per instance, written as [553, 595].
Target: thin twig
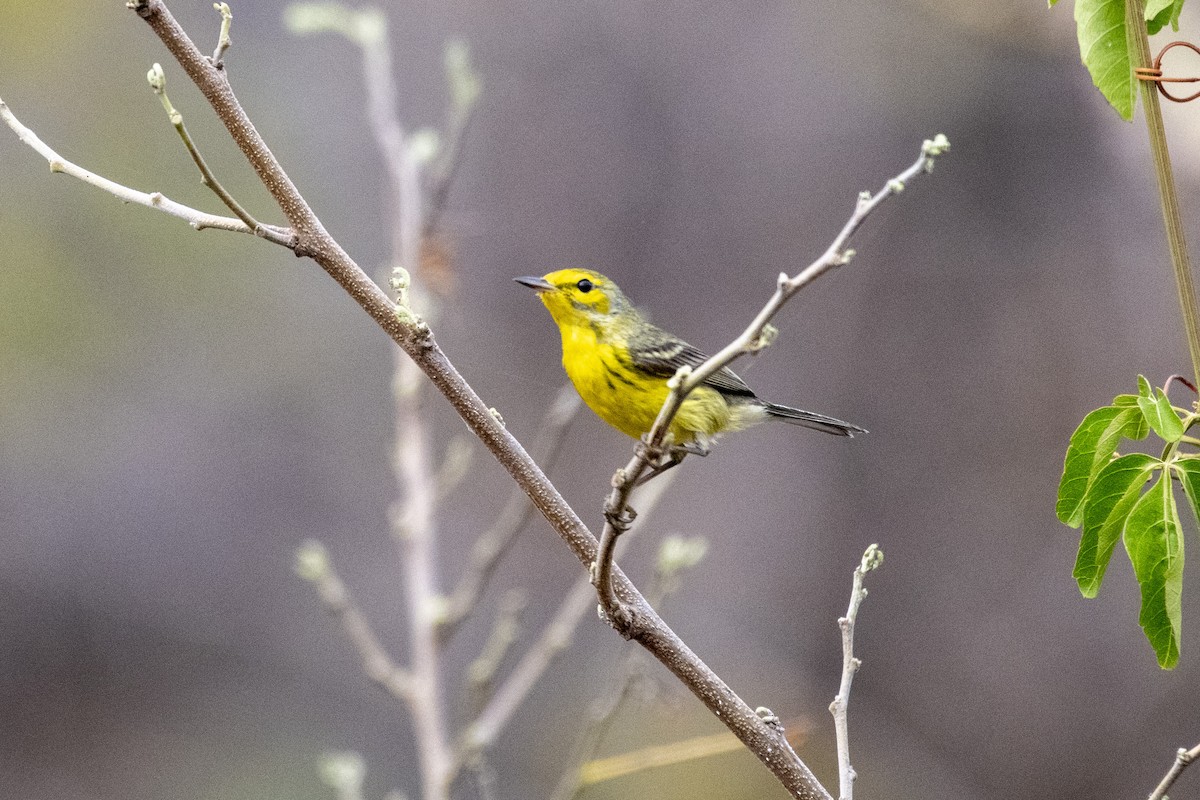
[158, 82]
[417, 534]
[1183, 757]
[491, 547]
[383, 115]
[872, 559]
[312, 564]
[414, 526]
[616, 511]
[199, 220]
[223, 40]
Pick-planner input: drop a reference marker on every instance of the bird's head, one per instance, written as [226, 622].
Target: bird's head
[578, 295]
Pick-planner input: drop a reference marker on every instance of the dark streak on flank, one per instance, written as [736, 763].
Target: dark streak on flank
[613, 372]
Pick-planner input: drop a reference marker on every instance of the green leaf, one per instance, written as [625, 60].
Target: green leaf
[1154, 542]
[1104, 49]
[1160, 416]
[1107, 507]
[1092, 446]
[1188, 470]
[1160, 13]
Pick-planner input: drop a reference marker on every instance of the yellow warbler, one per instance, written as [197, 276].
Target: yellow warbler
[620, 365]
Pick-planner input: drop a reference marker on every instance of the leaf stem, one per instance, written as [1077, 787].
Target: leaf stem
[1172, 217]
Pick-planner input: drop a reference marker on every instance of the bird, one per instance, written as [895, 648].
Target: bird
[620, 364]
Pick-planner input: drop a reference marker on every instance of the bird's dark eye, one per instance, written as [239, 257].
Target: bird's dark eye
[585, 285]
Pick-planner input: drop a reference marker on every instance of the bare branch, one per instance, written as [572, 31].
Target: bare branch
[650, 451]
[1183, 757]
[368, 29]
[872, 559]
[199, 220]
[158, 82]
[312, 564]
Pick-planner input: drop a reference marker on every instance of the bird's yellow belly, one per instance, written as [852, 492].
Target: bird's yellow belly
[630, 401]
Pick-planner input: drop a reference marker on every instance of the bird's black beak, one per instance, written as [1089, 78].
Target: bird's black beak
[535, 283]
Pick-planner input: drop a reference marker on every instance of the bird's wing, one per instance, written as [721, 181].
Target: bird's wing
[661, 354]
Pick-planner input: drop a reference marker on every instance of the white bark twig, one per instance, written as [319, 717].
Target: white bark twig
[199, 220]
[415, 529]
[757, 334]
[1183, 757]
[872, 559]
[419, 484]
[223, 40]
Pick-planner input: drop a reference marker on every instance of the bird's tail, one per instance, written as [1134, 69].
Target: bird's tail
[811, 419]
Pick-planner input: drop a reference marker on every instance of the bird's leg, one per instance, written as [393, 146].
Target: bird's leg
[692, 448]
[672, 457]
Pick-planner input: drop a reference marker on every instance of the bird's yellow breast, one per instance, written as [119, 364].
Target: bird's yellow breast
[630, 400]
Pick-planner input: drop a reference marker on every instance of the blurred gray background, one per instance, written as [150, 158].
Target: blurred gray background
[179, 410]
